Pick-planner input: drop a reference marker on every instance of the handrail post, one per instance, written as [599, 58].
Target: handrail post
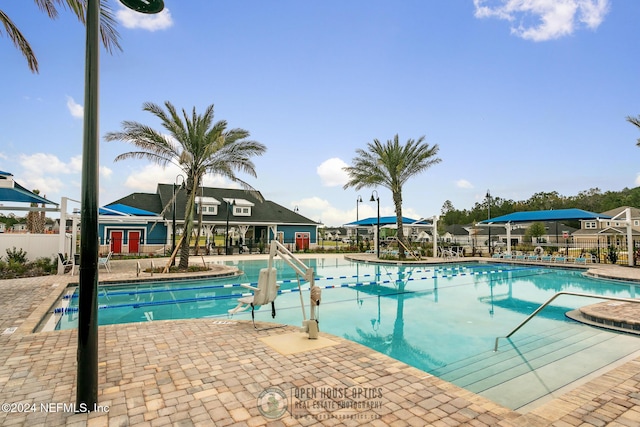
[578, 294]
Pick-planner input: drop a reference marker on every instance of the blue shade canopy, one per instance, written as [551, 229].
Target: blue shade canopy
[124, 210]
[551, 215]
[384, 220]
[11, 191]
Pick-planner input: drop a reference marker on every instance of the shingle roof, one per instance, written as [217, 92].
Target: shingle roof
[263, 211]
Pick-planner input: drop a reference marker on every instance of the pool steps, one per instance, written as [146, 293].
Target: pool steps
[531, 367]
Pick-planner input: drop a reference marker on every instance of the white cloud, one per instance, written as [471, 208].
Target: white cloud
[638, 179]
[319, 209]
[105, 172]
[76, 110]
[331, 172]
[150, 22]
[75, 164]
[541, 20]
[148, 178]
[40, 163]
[463, 183]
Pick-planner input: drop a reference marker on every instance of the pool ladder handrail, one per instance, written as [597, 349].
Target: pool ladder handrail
[539, 309]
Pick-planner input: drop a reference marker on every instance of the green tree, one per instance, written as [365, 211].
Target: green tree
[535, 231]
[390, 165]
[108, 31]
[195, 144]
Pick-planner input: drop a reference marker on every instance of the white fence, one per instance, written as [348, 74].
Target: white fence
[35, 245]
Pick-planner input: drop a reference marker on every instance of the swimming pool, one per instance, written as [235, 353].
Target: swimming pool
[428, 316]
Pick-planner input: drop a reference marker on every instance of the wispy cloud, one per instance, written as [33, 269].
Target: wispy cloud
[463, 183]
[331, 172]
[74, 108]
[542, 20]
[154, 22]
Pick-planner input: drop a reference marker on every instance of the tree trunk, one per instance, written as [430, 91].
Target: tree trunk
[188, 226]
[397, 201]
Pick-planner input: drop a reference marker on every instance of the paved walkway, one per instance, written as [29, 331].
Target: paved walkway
[211, 372]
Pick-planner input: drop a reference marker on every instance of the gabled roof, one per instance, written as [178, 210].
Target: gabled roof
[635, 212]
[143, 201]
[550, 215]
[118, 209]
[263, 211]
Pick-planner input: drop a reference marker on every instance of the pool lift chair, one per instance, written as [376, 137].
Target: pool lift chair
[268, 289]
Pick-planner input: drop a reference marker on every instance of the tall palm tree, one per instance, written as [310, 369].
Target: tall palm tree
[635, 121]
[195, 144]
[390, 165]
[108, 31]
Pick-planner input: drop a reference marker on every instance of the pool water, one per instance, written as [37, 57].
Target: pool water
[427, 316]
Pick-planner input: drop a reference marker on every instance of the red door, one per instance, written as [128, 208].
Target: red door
[302, 241]
[116, 242]
[134, 242]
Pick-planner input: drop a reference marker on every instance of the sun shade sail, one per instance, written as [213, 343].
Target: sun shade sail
[11, 191]
[550, 215]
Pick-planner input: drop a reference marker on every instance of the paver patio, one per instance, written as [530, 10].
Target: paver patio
[207, 372]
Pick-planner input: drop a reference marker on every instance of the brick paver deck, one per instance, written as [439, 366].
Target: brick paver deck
[207, 372]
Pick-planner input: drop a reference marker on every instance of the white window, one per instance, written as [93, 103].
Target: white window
[209, 205]
[241, 207]
[590, 225]
[636, 222]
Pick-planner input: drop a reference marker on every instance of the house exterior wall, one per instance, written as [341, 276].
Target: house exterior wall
[153, 237]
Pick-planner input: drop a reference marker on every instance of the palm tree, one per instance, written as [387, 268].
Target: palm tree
[195, 144]
[108, 32]
[635, 121]
[390, 165]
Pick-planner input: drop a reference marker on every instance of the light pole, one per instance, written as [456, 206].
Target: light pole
[173, 218]
[358, 201]
[489, 217]
[230, 204]
[377, 199]
[87, 352]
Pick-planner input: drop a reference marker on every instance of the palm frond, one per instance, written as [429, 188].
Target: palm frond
[636, 122]
[19, 41]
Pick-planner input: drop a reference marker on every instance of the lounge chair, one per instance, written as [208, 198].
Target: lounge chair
[105, 262]
[66, 263]
[265, 293]
[560, 259]
[546, 258]
[533, 257]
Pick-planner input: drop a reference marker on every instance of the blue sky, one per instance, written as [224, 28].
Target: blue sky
[520, 96]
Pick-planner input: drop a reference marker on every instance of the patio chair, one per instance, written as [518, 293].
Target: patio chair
[66, 263]
[265, 293]
[105, 262]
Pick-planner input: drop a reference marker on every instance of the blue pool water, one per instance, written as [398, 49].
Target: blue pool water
[425, 315]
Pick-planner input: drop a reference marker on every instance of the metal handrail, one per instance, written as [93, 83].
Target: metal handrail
[578, 294]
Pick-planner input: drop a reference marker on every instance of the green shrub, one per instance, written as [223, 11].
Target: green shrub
[17, 255]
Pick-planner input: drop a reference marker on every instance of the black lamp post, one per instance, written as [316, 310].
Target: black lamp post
[87, 352]
[173, 217]
[377, 199]
[358, 201]
[489, 217]
[230, 204]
